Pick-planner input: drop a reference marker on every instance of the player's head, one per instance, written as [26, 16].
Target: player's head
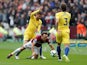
[63, 7]
[39, 15]
[44, 36]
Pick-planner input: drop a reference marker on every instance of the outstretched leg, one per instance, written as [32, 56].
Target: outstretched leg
[17, 52]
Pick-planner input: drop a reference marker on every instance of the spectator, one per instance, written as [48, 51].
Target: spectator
[3, 33]
[1, 16]
[81, 30]
[16, 11]
[17, 34]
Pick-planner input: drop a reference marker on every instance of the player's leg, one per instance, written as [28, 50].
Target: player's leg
[17, 54]
[27, 45]
[32, 37]
[58, 40]
[27, 37]
[21, 49]
[66, 42]
[66, 52]
[41, 54]
[33, 56]
[40, 50]
[15, 51]
[59, 50]
[36, 52]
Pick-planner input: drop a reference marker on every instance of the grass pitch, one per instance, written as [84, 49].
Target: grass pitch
[78, 55]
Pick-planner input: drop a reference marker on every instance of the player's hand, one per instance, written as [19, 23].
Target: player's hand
[41, 8]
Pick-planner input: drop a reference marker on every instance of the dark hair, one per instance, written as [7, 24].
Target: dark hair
[44, 32]
[63, 7]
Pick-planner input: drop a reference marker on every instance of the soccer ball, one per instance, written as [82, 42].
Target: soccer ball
[53, 53]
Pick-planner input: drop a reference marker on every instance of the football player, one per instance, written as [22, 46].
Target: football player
[63, 31]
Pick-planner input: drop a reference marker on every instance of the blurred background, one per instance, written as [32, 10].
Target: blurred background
[14, 17]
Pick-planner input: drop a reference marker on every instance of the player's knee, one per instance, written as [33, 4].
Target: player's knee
[66, 45]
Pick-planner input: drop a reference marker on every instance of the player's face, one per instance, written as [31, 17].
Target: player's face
[38, 16]
[44, 37]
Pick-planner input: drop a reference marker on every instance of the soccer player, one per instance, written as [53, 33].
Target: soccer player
[63, 31]
[33, 27]
[35, 45]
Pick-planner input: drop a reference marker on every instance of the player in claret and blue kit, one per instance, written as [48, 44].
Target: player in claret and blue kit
[35, 45]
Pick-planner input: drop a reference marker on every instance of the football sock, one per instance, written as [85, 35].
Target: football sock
[59, 52]
[17, 54]
[16, 51]
[66, 51]
[41, 51]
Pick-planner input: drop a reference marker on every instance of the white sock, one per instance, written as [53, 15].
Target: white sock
[16, 51]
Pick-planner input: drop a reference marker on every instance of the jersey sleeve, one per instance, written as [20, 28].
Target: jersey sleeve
[34, 41]
[33, 13]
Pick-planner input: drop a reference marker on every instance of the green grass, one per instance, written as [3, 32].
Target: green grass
[78, 56]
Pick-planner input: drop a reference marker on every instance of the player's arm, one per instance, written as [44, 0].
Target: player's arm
[33, 44]
[57, 17]
[51, 46]
[39, 27]
[37, 11]
[32, 47]
[57, 20]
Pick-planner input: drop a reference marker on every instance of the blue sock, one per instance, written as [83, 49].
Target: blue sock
[59, 51]
[41, 51]
[66, 51]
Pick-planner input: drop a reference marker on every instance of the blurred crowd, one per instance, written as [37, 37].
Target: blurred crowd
[15, 14]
